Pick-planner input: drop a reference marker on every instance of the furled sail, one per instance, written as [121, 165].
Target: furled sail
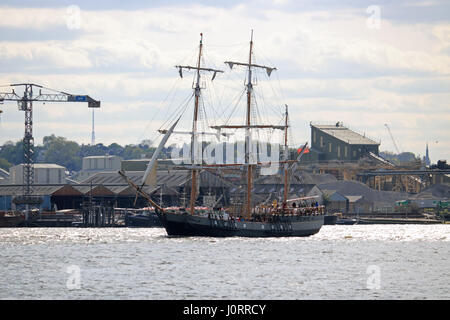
[149, 177]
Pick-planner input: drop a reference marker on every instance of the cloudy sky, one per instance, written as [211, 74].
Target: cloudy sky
[364, 63]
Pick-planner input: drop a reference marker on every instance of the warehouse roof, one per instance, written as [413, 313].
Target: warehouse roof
[43, 165]
[345, 134]
[102, 157]
[168, 178]
[356, 188]
[39, 190]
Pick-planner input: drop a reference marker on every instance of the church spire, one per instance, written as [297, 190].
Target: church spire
[427, 157]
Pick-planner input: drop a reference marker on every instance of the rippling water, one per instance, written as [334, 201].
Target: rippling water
[340, 262]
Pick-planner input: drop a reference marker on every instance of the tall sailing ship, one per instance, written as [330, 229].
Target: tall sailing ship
[285, 219]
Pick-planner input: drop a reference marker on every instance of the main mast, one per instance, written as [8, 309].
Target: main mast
[248, 206]
[194, 131]
[248, 126]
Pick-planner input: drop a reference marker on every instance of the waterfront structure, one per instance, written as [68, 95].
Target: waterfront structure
[337, 142]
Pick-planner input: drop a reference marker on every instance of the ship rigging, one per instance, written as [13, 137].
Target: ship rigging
[254, 220]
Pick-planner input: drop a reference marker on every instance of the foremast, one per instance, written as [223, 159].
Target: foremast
[194, 146]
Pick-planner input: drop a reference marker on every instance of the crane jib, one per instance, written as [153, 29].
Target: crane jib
[80, 98]
[26, 104]
[83, 98]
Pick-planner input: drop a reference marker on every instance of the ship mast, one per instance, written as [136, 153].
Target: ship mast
[197, 92]
[248, 133]
[194, 173]
[286, 155]
[248, 126]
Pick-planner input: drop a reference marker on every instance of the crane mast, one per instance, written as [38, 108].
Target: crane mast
[25, 103]
[392, 137]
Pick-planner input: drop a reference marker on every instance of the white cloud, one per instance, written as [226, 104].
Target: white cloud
[331, 66]
[31, 18]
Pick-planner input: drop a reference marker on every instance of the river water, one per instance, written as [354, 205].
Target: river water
[340, 262]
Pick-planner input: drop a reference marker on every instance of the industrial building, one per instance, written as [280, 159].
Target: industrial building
[337, 142]
[104, 185]
[94, 164]
[109, 189]
[44, 173]
[141, 164]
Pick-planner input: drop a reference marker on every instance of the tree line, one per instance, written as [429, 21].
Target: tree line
[68, 153]
[401, 158]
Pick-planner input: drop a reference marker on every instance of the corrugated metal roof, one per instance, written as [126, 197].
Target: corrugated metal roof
[108, 183]
[67, 190]
[102, 157]
[39, 190]
[356, 188]
[43, 166]
[336, 196]
[168, 178]
[96, 190]
[345, 134]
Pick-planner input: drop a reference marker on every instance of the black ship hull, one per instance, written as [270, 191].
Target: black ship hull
[144, 221]
[182, 224]
[330, 220]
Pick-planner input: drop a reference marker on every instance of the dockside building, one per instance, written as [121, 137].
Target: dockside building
[337, 142]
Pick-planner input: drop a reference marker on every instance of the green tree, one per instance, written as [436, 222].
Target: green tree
[60, 151]
[115, 149]
[132, 152]
[12, 152]
[69, 154]
[96, 150]
[5, 164]
[48, 140]
[398, 159]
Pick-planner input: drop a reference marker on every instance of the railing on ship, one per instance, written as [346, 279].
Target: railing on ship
[314, 210]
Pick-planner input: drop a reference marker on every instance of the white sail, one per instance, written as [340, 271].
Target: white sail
[149, 177]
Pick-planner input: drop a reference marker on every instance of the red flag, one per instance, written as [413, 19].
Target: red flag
[300, 150]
